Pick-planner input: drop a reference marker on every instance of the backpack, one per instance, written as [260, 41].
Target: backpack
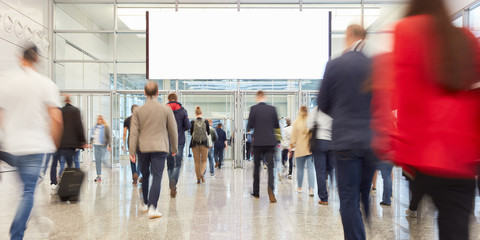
[199, 131]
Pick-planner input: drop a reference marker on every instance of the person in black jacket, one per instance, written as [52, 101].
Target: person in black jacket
[174, 163]
[73, 138]
[263, 119]
[126, 128]
[344, 96]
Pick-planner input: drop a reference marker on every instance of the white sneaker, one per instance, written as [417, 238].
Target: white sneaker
[153, 213]
[143, 207]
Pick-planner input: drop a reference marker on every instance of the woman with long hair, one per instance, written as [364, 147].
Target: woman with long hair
[436, 67]
[300, 140]
[100, 139]
[200, 132]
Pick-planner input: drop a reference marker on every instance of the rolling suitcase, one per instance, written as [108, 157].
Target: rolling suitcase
[70, 184]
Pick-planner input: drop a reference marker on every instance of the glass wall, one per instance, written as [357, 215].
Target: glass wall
[101, 47]
[475, 20]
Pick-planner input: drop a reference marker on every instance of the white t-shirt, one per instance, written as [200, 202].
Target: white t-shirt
[96, 136]
[25, 96]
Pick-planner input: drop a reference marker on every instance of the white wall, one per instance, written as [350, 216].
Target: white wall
[22, 23]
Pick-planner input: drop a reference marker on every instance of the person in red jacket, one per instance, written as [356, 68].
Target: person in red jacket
[435, 70]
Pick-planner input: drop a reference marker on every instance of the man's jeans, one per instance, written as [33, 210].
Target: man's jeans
[29, 167]
[355, 170]
[174, 164]
[154, 162]
[386, 171]
[210, 160]
[218, 154]
[66, 153]
[324, 159]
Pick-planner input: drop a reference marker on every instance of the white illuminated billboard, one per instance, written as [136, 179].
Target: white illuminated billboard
[227, 44]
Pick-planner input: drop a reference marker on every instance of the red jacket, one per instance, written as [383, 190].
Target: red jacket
[438, 133]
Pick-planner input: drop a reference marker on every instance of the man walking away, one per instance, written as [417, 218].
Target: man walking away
[220, 146]
[174, 163]
[31, 122]
[263, 120]
[73, 138]
[153, 130]
[126, 127]
[211, 141]
[344, 97]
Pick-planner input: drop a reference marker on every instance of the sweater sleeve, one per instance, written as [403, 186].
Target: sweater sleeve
[134, 133]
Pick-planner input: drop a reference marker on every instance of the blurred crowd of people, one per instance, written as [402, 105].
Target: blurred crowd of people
[416, 107]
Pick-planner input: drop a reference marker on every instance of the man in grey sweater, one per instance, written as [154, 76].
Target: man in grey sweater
[153, 132]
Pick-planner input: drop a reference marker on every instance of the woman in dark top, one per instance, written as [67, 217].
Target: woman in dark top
[200, 131]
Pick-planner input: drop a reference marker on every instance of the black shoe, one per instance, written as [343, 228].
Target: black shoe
[255, 195]
[384, 204]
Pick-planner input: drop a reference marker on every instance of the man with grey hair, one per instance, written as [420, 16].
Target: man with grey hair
[153, 134]
[343, 96]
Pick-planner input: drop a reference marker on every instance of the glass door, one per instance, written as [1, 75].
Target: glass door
[91, 105]
[285, 102]
[217, 106]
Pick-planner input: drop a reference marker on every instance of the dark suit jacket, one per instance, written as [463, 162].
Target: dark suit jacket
[73, 134]
[263, 119]
[343, 96]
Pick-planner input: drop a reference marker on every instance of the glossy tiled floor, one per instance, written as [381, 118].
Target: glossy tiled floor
[221, 208]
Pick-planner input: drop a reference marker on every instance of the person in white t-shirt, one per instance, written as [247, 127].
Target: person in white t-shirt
[31, 122]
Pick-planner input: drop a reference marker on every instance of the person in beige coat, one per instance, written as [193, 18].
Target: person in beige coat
[153, 133]
[300, 140]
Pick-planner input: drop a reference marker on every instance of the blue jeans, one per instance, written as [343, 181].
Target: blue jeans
[301, 162]
[386, 171]
[99, 157]
[154, 162]
[134, 167]
[76, 158]
[29, 168]
[174, 164]
[324, 159]
[218, 154]
[210, 160]
[278, 160]
[355, 170]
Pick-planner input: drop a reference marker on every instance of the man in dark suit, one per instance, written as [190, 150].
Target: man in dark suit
[73, 137]
[263, 119]
[344, 95]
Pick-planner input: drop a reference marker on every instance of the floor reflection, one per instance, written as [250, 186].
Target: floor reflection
[220, 208]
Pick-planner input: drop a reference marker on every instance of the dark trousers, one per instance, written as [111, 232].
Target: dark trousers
[218, 156]
[133, 166]
[417, 194]
[290, 160]
[154, 162]
[248, 147]
[259, 153]
[174, 164]
[68, 154]
[454, 199]
[355, 170]
[324, 159]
